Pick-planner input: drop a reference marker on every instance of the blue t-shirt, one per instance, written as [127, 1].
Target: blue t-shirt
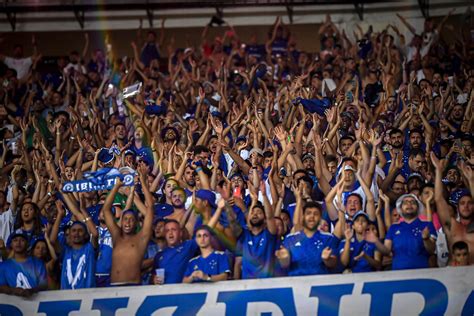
[216, 263]
[104, 256]
[78, 268]
[306, 252]
[174, 260]
[29, 274]
[407, 244]
[257, 251]
[356, 248]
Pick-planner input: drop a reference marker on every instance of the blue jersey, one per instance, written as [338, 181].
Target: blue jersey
[407, 244]
[306, 252]
[78, 268]
[104, 256]
[29, 274]
[214, 264]
[356, 248]
[257, 251]
[174, 260]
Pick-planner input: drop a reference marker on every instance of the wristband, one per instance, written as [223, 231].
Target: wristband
[86, 219]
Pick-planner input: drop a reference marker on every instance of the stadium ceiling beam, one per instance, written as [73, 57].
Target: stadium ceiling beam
[424, 8]
[289, 11]
[359, 8]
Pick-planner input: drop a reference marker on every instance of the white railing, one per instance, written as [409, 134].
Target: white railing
[446, 291]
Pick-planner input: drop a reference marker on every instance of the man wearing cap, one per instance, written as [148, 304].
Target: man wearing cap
[79, 250]
[22, 275]
[205, 206]
[129, 247]
[308, 251]
[356, 253]
[412, 241]
[211, 265]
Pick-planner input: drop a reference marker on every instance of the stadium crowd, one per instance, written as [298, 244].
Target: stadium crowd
[248, 160]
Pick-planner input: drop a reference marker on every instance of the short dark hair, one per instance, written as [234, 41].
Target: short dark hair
[460, 245]
[200, 149]
[395, 131]
[330, 158]
[416, 152]
[312, 204]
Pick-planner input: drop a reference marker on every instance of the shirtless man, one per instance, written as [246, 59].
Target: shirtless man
[129, 246]
[455, 230]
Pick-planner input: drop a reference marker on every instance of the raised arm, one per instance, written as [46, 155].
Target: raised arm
[107, 210]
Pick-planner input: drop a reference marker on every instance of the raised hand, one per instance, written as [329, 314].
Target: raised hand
[439, 164]
[348, 232]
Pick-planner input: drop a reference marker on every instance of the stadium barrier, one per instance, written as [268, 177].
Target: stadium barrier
[446, 291]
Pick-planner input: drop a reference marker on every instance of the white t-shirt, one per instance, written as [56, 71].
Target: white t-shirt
[6, 224]
[21, 65]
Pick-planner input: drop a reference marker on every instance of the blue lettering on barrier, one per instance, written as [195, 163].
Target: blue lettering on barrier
[59, 307]
[468, 309]
[188, 304]
[434, 293]
[10, 310]
[108, 306]
[237, 301]
[329, 297]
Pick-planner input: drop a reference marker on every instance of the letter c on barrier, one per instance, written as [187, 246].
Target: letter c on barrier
[237, 301]
[434, 293]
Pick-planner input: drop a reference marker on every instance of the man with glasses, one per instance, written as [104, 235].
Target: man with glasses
[412, 241]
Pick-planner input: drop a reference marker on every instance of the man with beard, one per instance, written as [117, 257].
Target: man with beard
[178, 198]
[78, 249]
[257, 243]
[308, 251]
[128, 246]
[412, 241]
[458, 225]
[397, 141]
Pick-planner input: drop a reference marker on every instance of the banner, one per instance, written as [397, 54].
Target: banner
[103, 179]
[443, 291]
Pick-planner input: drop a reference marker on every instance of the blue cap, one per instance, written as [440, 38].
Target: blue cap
[208, 196]
[105, 156]
[14, 235]
[360, 213]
